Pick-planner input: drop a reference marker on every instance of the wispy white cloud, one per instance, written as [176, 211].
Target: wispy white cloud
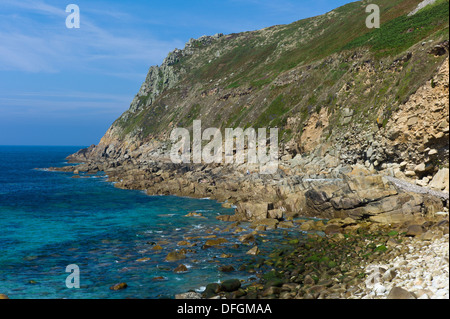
[68, 109]
[68, 94]
[22, 52]
[61, 104]
[46, 45]
[36, 6]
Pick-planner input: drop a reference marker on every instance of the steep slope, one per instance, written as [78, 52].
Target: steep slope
[330, 84]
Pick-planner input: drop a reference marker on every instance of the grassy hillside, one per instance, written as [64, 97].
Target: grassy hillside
[264, 78]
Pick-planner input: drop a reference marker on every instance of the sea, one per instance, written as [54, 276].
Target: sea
[74, 238]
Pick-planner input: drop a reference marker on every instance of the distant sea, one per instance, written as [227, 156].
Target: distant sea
[49, 220]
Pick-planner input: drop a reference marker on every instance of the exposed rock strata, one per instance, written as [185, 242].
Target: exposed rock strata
[345, 192]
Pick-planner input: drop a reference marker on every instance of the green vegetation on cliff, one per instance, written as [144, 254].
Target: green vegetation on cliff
[401, 33]
[263, 78]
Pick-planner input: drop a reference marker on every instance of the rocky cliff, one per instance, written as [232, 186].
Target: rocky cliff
[345, 99]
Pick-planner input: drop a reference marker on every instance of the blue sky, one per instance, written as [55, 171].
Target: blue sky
[61, 86]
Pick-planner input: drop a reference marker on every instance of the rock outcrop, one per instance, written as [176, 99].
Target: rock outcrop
[350, 116]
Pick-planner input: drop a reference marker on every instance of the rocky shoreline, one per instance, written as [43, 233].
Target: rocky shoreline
[367, 149]
[350, 261]
[383, 173]
[337, 191]
[378, 224]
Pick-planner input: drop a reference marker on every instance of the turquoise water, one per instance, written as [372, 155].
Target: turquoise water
[49, 220]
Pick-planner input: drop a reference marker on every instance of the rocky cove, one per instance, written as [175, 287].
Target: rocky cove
[365, 216]
[352, 220]
[362, 177]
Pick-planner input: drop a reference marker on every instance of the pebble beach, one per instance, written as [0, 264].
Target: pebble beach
[420, 272]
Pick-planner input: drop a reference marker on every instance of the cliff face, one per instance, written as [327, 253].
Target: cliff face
[333, 87]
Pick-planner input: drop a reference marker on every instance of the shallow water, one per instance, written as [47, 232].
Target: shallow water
[49, 220]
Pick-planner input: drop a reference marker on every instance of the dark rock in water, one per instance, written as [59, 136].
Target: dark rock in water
[175, 255]
[230, 285]
[164, 268]
[180, 268]
[269, 223]
[212, 290]
[215, 287]
[286, 224]
[247, 238]
[254, 251]
[227, 268]
[119, 286]
[216, 242]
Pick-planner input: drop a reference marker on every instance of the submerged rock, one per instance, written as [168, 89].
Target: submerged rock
[216, 242]
[226, 268]
[254, 251]
[119, 286]
[247, 238]
[176, 255]
[212, 290]
[180, 269]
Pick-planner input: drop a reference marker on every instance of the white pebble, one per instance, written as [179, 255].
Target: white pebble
[379, 289]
